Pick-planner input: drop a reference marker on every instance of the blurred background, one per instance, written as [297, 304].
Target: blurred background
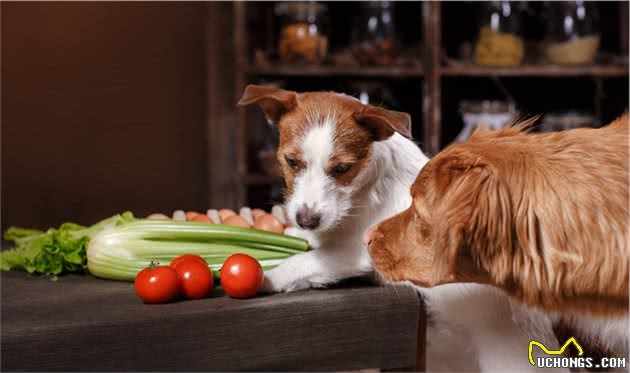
[108, 107]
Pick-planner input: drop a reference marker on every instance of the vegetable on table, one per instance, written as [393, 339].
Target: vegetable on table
[241, 276]
[181, 258]
[195, 279]
[121, 246]
[157, 284]
[56, 251]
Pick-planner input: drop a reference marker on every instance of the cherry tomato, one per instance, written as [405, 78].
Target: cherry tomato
[241, 276]
[181, 258]
[195, 279]
[157, 284]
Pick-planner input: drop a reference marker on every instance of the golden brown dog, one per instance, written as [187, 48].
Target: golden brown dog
[542, 216]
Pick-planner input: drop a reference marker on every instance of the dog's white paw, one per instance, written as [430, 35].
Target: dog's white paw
[269, 286]
[275, 283]
[313, 240]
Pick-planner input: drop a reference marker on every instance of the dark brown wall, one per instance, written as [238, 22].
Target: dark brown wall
[103, 110]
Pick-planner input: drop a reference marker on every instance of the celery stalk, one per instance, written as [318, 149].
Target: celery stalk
[184, 230]
[119, 247]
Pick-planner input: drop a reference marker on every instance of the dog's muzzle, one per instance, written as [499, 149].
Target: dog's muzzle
[308, 218]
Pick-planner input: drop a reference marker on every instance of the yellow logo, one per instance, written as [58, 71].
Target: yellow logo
[553, 352]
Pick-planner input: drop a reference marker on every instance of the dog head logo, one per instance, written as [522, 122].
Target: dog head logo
[580, 350]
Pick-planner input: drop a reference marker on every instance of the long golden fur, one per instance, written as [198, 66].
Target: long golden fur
[543, 216]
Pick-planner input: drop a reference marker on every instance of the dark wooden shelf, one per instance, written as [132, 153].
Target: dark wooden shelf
[261, 179]
[327, 70]
[453, 70]
[536, 70]
[430, 72]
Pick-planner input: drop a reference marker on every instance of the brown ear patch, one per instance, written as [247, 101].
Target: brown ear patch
[382, 123]
[462, 182]
[274, 102]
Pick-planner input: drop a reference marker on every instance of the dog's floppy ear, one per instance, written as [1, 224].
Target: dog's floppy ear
[472, 220]
[274, 102]
[383, 123]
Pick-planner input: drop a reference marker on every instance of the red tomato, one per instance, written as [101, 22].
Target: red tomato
[157, 284]
[181, 258]
[241, 276]
[195, 279]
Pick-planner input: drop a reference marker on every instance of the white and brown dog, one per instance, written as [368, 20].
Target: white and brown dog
[348, 166]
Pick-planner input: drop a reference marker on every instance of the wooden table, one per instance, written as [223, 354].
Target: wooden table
[83, 323]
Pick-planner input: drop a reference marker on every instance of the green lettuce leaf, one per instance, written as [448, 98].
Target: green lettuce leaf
[56, 251]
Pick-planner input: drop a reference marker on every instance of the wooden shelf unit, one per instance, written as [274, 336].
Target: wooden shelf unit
[431, 72]
[537, 70]
[344, 71]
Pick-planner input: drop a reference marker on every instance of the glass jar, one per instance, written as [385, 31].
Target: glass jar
[572, 36]
[566, 120]
[499, 42]
[372, 93]
[487, 113]
[303, 32]
[374, 39]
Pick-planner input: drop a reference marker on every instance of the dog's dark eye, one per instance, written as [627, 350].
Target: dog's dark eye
[291, 162]
[340, 169]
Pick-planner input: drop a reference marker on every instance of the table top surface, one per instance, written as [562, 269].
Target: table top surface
[379, 320]
[38, 302]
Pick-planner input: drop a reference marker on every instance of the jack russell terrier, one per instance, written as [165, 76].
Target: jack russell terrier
[348, 166]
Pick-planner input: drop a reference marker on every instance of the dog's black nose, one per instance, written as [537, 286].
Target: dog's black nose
[307, 218]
